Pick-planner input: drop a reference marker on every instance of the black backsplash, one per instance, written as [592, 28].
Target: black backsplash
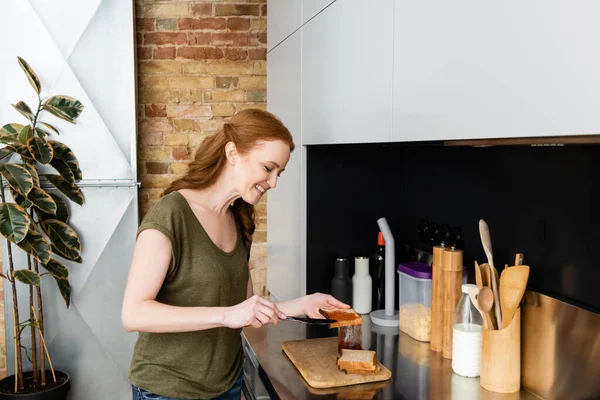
[540, 201]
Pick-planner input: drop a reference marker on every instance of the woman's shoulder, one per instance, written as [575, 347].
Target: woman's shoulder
[167, 206]
[172, 199]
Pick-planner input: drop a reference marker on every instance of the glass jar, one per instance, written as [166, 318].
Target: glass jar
[466, 336]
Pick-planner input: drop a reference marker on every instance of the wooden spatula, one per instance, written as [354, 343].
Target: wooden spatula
[513, 282]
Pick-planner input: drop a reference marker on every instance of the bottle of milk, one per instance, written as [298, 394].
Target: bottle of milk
[466, 340]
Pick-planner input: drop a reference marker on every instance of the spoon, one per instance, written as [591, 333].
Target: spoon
[485, 301]
[473, 291]
[486, 241]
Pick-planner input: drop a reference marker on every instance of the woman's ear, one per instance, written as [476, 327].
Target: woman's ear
[231, 153]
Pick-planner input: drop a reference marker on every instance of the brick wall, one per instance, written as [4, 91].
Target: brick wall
[198, 63]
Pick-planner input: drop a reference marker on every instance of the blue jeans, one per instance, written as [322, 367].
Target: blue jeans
[235, 393]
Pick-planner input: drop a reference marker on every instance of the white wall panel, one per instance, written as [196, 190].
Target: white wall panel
[84, 49]
[310, 8]
[104, 137]
[283, 18]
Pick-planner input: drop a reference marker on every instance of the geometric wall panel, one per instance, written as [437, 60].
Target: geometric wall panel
[84, 49]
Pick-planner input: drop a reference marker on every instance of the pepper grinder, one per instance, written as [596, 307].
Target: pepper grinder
[340, 283]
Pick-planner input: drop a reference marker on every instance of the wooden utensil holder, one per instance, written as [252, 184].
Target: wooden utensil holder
[501, 357]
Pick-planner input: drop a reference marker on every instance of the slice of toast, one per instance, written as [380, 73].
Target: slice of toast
[344, 317]
[358, 360]
[362, 371]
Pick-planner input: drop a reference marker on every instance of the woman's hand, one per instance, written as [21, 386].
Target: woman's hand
[313, 302]
[255, 311]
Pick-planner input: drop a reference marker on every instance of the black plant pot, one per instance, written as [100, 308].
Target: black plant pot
[58, 392]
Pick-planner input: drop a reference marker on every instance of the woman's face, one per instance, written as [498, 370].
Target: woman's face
[259, 169]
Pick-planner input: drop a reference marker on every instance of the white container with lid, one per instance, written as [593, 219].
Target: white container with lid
[415, 300]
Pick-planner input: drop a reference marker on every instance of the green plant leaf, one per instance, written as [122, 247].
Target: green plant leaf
[40, 149]
[37, 245]
[42, 200]
[20, 200]
[18, 177]
[7, 138]
[64, 107]
[24, 110]
[25, 134]
[65, 289]
[5, 152]
[42, 133]
[64, 239]
[62, 211]
[68, 189]
[23, 152]
[58, 113]
[13, 128]
[14, 222]
[57, 270]
[31, 75]
[63, 169]
[52, 128]
[63, 152]
[28, 277]
[34, 173]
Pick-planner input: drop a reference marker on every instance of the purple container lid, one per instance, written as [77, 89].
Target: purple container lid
[416, 269]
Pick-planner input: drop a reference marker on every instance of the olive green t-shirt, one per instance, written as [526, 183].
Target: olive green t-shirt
[202, 364]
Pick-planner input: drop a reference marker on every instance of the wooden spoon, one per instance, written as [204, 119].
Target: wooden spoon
[485, 301]
[473, 292]
[513, 283]
[486, 241]
[486, 280]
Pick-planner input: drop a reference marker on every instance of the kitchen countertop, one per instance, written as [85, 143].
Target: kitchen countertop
[417, 372]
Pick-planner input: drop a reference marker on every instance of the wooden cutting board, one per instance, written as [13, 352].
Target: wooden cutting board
[316, 359]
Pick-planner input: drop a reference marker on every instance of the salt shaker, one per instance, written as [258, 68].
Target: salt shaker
[361, 286]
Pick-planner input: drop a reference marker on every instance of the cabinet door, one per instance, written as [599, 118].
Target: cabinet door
[284, 208]
[347, 53]
[283, 18]
[477, 69]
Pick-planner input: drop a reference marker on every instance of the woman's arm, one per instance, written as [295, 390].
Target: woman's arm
[141, 311]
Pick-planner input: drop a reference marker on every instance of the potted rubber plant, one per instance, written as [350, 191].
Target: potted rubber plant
[34, 218]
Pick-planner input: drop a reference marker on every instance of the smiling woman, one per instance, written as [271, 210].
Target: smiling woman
[189, 289]
[243, 136]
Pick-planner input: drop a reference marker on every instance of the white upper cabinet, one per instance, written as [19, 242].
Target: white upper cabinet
[347, 55]
[283, 18]
[284, 205]
[478, 69]
[310, 8]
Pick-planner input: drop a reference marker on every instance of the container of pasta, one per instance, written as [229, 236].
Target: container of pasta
[415, 300]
